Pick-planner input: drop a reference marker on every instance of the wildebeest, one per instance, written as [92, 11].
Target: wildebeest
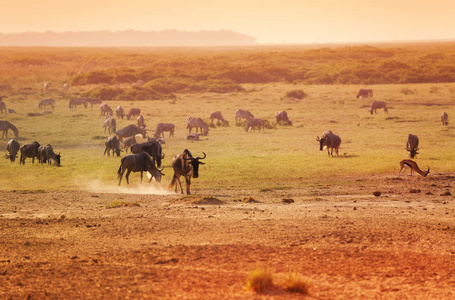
[162, 127]
[141, 162]
[130, 130]
[192, 122]
[12, 147]
[413, 166]
[105, 109]
[254, 123]
[74, 102]
[112, 143]
[365, 93]
[2, 107]
[330, 141]
[93, 101]
[46, 153]
[187, 166]
[412, 145]
[217, 115]
[141, 121]
[110, 124]
[128, 142]
[46, 102]
[243, 114]
[153, 148]
[444, 119]
[282, 118]
[133, 112]
[5, 126]
[119, 111]
[378, 105]
[29, 150]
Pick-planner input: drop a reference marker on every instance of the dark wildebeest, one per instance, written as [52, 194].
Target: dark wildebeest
[254, 123]
[282, 118]
[153, 148]
[112, 143]
[243, 114]
[413, 166]
[119, 111]
[329, 140]
[141, 121]
[162, 127]
[46, 102]
[364, 93]
[444, 119]
[93, 101]
[74, 102]
[130, 130]
[29, 150]
[105, 109]
[192, 122]
[412, 145]
[217, 115]
[2, 107]
[46, 153]
[141, 162]
[133, 113]
[110, 124]
[12, 147]
[5, 126]
[378, 105]
[185, 165]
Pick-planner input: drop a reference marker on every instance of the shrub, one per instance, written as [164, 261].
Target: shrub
[259, 280]
[294, 283]
[298, 94]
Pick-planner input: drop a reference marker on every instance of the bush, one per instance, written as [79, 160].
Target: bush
[294, 283]
[259, 280]
[298, 94]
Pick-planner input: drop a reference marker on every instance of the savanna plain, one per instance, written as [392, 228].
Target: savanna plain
[266, 200]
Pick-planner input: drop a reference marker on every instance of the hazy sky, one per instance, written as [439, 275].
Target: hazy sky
[269, 21]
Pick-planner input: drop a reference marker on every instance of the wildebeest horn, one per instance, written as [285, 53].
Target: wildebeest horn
[197, 158]
[318, 139]
[162, 156]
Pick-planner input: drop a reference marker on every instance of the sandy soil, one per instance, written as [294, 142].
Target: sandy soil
[345, 242]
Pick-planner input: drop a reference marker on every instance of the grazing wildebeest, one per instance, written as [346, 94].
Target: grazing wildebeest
[153, 148]
[66, 87]
[12, 147]
[105, 109]
[378, 105]
[329, 140]
[162, 127]
[2, 107]
[5, 126]
[110, 124]
[192, 122]
[112, 143]
[93, 101]
[29, 150]
[282, 118]
[243, 114]
[130, 130]
[119, 111]
[254, 123]
[217, 115]
[364, 93]
[444, 119]
[412, 145]
[128, 142]
[46, 102]
[185, 165]
[74, 102]
[46, 153]
[140, 121]
[141, 162]
[133, 113]
[413, 166]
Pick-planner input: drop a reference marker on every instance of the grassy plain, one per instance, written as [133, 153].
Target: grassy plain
[280, 157]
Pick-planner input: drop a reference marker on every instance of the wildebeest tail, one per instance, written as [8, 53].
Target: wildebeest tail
[173, 181]
[120, 168]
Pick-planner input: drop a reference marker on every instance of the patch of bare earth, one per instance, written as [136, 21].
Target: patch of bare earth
[343, 240]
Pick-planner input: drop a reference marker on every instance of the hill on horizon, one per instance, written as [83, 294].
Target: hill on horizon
[127, 38]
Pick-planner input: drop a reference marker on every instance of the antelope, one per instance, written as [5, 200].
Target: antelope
[413, 166]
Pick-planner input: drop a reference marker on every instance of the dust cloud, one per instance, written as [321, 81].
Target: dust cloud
[144, 188]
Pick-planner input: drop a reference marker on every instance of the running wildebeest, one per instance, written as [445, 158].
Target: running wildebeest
[282, 118]
[141, 162]
[444, 119]
[412, 145]
[110, 124]
[12, 147]
[364, 93]
[254, 123]
[243, 114]
[46, 102]
[133, 113]
[413, 166]
[119, 111]
[105, 109]
[29, 150]
[130, 130]
[153, 148]
[330, 141]
[187, 166]
[378, 105]
[162, 127]
[192, 122]
[46, 153]
[112, 143]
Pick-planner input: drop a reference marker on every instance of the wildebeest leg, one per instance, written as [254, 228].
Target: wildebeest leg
[141, 176]
[181, 189]
[188, 183]
[127, 176]
[105, 150]
[121, 175]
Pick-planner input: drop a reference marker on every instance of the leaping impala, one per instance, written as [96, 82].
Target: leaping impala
[413, 166]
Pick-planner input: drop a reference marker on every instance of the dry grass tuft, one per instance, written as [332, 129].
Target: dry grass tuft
[294, 283]
[259, 281]
[117, 204]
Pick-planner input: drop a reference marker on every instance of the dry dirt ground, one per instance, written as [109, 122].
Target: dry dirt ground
[345, 242]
